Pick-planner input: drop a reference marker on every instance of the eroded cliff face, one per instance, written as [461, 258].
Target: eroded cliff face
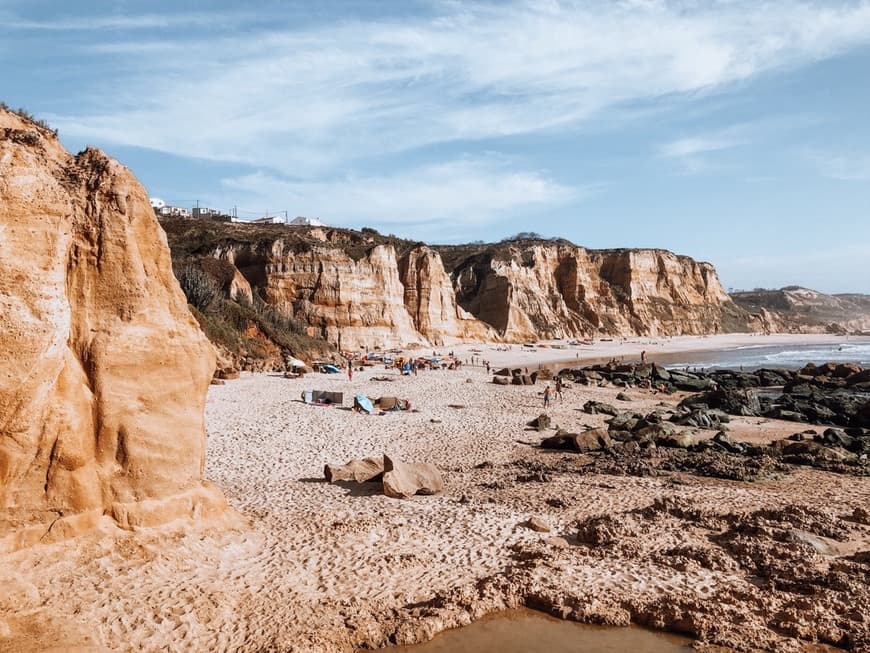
[431, 301]
[519, 291]
[547, 290]
[103, 371]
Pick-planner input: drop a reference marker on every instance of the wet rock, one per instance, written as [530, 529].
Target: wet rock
[730, 400]
[404, 480]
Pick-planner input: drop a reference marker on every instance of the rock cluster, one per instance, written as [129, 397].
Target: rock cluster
[672, 439]
[400, 480]
[833, 394]
[103, 370]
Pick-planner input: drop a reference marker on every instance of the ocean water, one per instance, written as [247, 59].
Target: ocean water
[790, 357]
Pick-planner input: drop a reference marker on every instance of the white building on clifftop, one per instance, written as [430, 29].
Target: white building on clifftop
[302, 221]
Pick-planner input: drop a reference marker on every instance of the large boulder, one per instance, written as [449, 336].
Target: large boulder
[103, 369]
[359, 470]
[588, 441]
[403, 480]
[595, 407]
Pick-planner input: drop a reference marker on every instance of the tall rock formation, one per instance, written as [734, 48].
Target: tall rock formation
[354, 303]
[530, 290]
[103, 371]
[431, 302]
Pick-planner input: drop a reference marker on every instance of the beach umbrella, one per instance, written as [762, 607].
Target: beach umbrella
[295, 362]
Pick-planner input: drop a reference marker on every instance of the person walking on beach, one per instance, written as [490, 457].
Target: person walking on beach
[548, 396]
[559, 388]
[349, 371]
[643, 357]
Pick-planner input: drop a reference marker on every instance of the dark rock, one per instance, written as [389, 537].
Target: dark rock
[541, 422]
[704, 419]
[592, 440]
[623, 397]
[625, 421]
[596, 407]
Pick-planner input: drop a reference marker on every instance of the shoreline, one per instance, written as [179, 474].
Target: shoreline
[630, 349]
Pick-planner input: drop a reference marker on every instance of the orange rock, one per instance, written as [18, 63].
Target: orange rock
[404, 480]
[103, 370]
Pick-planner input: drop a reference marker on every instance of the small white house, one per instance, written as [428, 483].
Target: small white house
[174, 211]
[156, 203]
[269, 219]
[302, 221]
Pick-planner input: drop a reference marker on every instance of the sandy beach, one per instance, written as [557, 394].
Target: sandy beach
[663, 348]
[319, 567]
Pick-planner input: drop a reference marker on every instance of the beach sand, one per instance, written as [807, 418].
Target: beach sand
[322, 567]
[662, 350]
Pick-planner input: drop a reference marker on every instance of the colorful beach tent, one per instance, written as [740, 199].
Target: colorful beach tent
[329, 369]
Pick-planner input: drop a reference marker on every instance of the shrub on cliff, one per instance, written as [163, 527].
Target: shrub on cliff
[198, 287]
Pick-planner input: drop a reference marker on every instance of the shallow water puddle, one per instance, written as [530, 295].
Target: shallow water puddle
[527, 631]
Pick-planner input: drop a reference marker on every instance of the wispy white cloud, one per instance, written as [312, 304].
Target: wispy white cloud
[845, 168]
[692, 152]
[461, 192]
[122, 22]
[694, 145]
[302, 101]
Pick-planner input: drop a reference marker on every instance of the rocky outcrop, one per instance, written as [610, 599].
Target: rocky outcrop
[350, 302]
[531, 290]
[364, 290]
[800, 310]
[431, 302]
[103, 370]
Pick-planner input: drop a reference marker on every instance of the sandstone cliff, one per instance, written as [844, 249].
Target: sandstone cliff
[534, 289]
[800, 310]
[364, 290]
[103, 371]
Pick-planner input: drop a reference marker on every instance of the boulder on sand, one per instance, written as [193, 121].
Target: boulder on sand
[541, 422]
[592, 440]
[403, 480]
[359, 470]
[596, 407]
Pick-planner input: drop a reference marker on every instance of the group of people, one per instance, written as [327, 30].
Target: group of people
[549, 392]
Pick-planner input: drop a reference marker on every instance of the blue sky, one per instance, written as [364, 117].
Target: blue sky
[736, 131]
